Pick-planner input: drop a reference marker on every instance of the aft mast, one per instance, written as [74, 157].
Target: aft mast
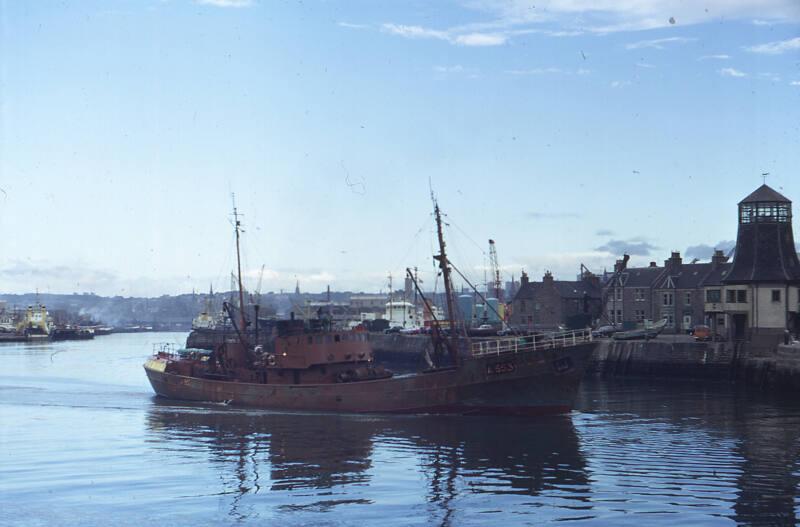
[444, 266]
[238, 227]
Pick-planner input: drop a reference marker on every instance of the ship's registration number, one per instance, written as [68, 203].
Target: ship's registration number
[500, 367]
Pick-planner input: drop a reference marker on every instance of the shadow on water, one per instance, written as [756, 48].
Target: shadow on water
[332, 458]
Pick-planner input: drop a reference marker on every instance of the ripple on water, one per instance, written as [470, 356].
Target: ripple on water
[81, 447]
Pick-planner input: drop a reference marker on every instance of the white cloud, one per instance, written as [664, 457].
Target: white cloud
[659, 43]
[776, 48]
[731, 72]
[416, 32]
[449, 69]
[467, 39]
[604, 16]
[481, 39]
[714, 57]
[508, 19]
[620, 84]
[644, 65]
[794, 83]
[227, 3]
[351, 26]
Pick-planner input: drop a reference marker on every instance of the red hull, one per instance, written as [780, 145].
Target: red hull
[528, 383]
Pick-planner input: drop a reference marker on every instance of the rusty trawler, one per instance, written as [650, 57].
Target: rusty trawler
[312, 367]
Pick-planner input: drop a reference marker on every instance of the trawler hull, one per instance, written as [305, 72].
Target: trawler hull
[527, 383]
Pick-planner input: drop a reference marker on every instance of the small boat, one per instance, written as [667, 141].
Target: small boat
[648, 332]
[311, 367]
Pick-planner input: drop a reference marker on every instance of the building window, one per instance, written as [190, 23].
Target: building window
[721, 321]
[741, 296]
[639, 294]
[784, 216]
[618, 294]
[745, 213]
[639, 314]
[670, 318]
[713, 295]
[668, 299]
[619, 316]
[730, 296]
[688, 299]
[776, 295]
[522, 306]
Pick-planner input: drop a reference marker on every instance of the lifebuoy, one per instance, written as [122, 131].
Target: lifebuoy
[271, 359]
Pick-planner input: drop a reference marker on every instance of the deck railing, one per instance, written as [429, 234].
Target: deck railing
[521, 344]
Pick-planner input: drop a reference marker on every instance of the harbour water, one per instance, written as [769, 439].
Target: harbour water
[83, 441]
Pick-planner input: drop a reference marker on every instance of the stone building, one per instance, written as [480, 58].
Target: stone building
[758, 298]
[550, 304]
[675, 292]
[629, 295]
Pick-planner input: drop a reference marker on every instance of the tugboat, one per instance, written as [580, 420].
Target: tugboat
[314, 368]
[36, 324]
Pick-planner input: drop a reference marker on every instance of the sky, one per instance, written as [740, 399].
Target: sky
[568, 131]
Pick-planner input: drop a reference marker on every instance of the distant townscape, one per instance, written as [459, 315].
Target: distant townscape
[752, 289]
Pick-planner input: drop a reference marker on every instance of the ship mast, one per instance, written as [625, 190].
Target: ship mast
[238, 227]
[444, 266]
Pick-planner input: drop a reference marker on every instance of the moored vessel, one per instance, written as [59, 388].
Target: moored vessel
[311, 367]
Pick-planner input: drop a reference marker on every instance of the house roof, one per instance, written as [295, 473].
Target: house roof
[577, 289]
[640, 276]
[715, 277]
[565, 288]
[685, 276]
[765, 193]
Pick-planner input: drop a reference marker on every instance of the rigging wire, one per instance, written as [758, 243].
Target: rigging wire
[399, 263]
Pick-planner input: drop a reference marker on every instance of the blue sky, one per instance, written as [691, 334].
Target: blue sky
[566, 130]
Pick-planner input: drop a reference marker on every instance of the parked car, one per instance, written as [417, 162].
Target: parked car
[703, 333]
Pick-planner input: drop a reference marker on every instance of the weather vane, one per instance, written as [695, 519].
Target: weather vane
[764, 177]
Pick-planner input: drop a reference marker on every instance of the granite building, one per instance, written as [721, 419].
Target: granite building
[550, 304]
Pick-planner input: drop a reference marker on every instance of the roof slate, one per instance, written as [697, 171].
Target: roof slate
[765, 193]
[641, 276]
[686, 276]
[716, 276]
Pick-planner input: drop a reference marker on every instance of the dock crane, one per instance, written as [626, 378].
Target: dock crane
[498, 285]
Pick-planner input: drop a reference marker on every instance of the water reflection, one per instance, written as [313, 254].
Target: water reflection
[319, 462]
[727, 449]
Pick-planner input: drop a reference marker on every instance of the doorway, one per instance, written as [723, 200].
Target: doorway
[739, 326]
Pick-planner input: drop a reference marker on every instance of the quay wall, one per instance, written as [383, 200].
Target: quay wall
[662, 358]
[759, 364]
[767, 365]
